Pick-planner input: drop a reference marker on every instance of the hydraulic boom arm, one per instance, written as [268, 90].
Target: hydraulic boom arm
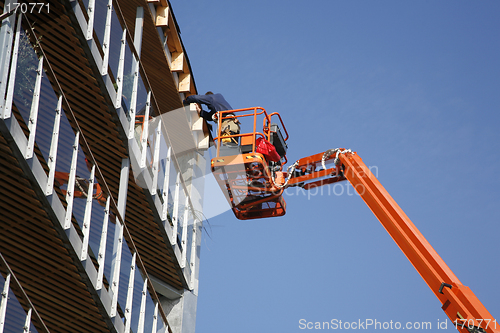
[459, 303]
[250, 173]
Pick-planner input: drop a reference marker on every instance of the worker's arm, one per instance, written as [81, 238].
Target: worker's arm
[202, 99]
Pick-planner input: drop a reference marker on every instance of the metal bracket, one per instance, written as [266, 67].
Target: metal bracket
[444, 285]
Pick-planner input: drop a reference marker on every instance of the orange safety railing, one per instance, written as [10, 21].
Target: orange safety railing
[254, 112]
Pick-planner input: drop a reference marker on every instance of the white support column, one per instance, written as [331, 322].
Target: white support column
[156, 158]
[118, 239]
[119, 74]
[6, 36]
[184, 232]
[130, 295]
[192, 261]
[115, 267]
[87, 215]
[34, 111]
[105, 42]
[101, 257]
[27, 322]
[139, 18]
[166, 184]
[71, 184]
[133, 99]
[145, 132]
[90, 23]
[3, 303]
[155, 319]
[12, 75]
[175, 213]
[123, 190]
[53, 148]
[142, 313]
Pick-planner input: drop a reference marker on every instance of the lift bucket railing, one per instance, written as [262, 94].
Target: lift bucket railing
[249, 132]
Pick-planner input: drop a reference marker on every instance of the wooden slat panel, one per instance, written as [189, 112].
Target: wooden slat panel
[104, 147]
[37, 256]
[100, 127]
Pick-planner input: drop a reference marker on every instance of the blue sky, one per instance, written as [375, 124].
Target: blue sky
[414, 88]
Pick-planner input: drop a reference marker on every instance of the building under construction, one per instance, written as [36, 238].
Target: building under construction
[102, 174]
[100, 191]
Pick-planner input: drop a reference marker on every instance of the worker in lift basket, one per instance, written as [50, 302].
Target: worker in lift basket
[215, 103]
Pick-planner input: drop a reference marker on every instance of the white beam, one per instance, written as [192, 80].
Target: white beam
[71, 184]
[118, 239]
[175, 213]
[27, 322]
[156, 158]
[130, 295]
[12, 75]
[139, 18]
[3, 303]
[90, 24]
[6, 36]
[53, 148]
[107, 35]
[87, 215]
[155, 319]
[166, 184]
[142, 313]
[115, 267]
[192, 261]
[185, 232]
[123, 189]
[119, 73]
[145, 132]
[133, 99]
[33, 120]
[101, 257]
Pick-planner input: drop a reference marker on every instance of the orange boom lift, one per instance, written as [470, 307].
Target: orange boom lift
[248, 167]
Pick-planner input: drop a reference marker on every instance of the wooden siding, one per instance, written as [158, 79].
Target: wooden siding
[31, 243]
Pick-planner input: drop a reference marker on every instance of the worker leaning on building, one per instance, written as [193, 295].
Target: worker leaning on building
[215, 103]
